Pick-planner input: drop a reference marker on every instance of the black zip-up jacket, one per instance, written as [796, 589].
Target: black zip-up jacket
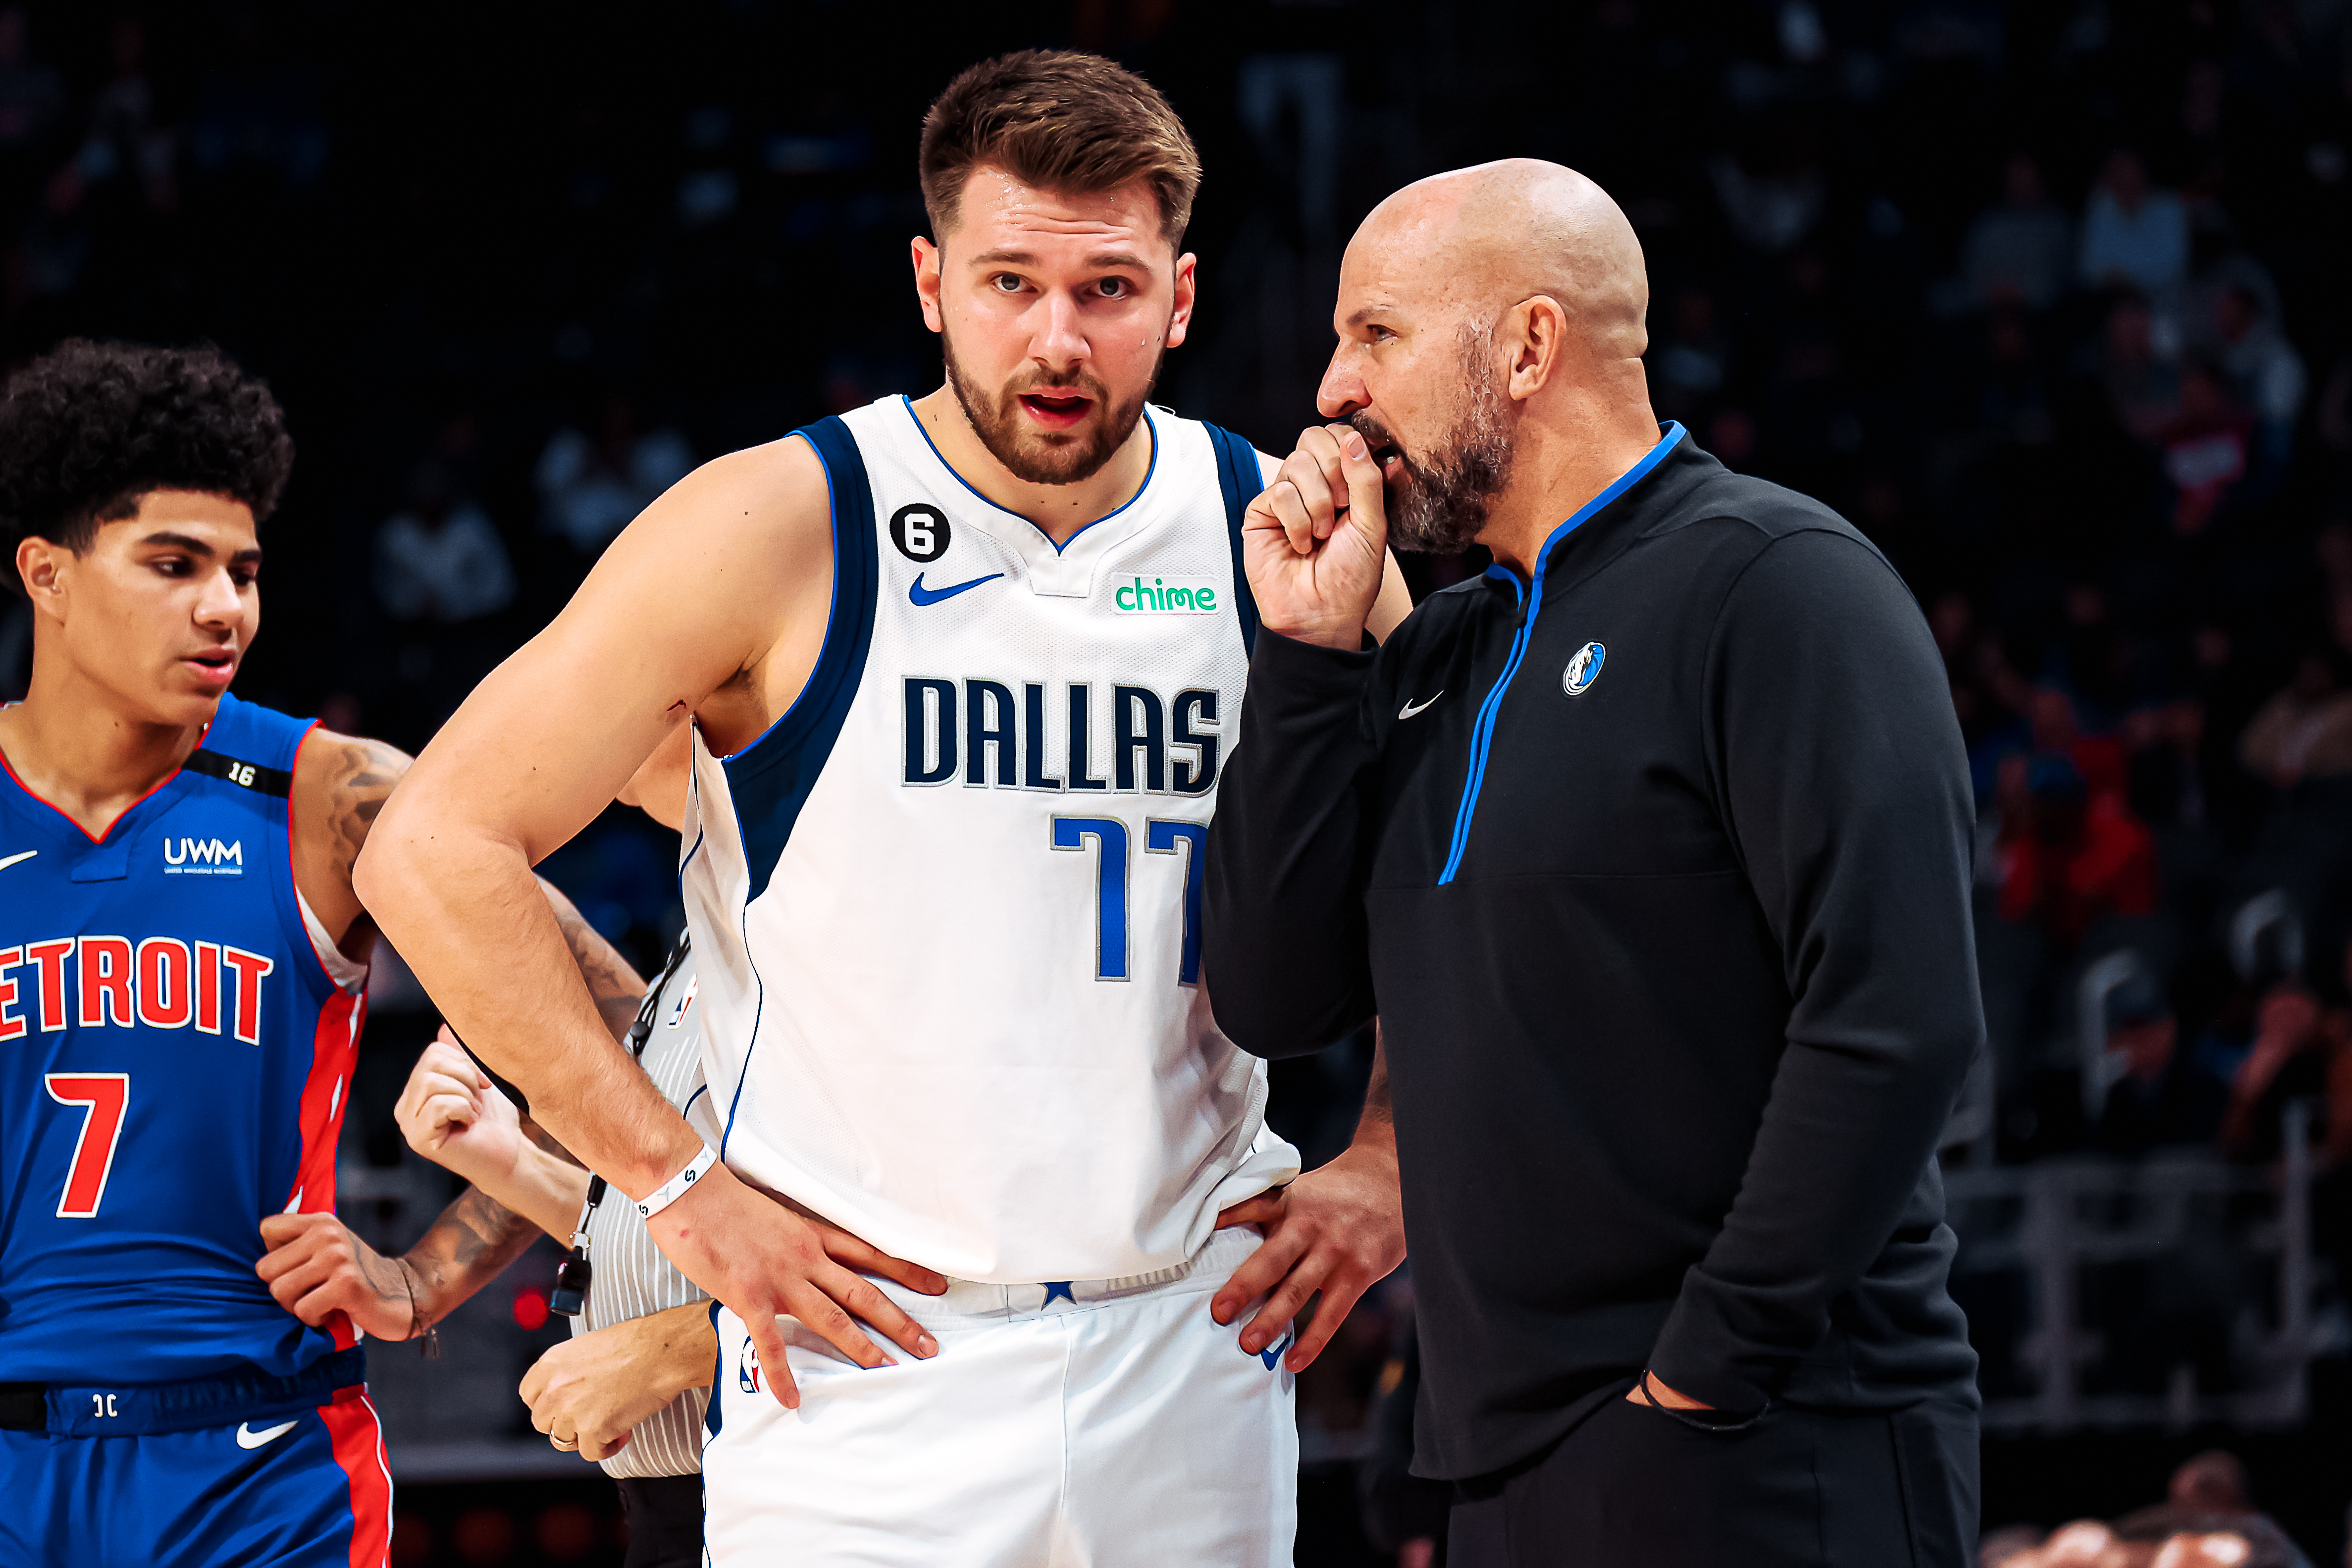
[1657, 879]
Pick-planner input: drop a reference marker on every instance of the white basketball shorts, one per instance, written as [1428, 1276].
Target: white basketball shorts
[1112, 1424]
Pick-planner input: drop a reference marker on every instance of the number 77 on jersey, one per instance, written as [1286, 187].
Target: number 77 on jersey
[1161, 837]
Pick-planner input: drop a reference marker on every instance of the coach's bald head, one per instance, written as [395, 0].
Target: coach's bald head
[1485, 239]
[1489, 318]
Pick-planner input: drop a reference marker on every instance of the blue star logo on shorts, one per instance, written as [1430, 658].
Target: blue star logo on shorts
[1059, 1288]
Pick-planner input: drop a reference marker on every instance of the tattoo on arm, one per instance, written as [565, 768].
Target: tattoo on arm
[382, 1273]
[468, 1246]
[363, 775]
[616, 988]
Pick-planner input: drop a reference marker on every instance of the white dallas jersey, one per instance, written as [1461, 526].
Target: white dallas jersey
[948, 908]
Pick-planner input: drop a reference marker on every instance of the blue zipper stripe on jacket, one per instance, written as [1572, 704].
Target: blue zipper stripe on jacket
[1481, 732]
[1483, 726]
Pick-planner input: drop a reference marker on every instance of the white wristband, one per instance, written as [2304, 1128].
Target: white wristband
[669, 1192]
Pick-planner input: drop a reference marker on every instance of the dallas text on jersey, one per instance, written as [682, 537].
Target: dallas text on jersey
[1010, 734]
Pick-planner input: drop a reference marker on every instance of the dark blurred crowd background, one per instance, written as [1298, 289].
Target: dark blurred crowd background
[2052, 299]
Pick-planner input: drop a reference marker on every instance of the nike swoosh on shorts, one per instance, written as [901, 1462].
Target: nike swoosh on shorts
[246, 1438]
[922, 595]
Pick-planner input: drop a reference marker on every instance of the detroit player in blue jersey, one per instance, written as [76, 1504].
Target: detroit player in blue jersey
[182, 986]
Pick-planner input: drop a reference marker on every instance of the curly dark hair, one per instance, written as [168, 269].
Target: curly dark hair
[90, 428]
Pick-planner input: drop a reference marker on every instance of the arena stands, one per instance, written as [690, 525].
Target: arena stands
[2047, 297]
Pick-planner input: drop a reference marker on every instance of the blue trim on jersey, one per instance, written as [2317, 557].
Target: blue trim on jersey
[712, 1420]
[771, 778]
[1152, 468]
[1481, 732]
[759, 1012]
[1234, 458]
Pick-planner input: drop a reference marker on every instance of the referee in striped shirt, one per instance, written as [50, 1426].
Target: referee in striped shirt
[628, 1391]
[630, 1388]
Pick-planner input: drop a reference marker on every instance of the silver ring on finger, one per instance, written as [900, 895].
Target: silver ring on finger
[568, 1445]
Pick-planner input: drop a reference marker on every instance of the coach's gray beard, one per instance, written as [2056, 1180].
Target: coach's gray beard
[998, 424]
[1440, 505]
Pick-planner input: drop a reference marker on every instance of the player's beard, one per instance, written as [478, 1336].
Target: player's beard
[1437, 505]
[1041, 456]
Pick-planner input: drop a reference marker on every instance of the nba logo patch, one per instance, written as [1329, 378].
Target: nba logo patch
[747, 1366]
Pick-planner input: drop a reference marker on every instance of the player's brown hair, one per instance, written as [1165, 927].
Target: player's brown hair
[1060, 120]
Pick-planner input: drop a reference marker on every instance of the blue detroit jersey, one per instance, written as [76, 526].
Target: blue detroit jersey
[174, 1064]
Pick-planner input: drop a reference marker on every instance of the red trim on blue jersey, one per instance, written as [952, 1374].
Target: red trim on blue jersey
[101, 837]
[358, 1436]
[293, 769]
[334, 1054]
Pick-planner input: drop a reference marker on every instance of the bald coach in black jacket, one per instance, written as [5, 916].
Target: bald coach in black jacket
[1651, 850]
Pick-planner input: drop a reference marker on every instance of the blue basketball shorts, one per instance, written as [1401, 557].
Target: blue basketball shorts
[282, 1472]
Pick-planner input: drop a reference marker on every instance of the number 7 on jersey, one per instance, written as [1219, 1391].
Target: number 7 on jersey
[1160, 837]
[103, 1097]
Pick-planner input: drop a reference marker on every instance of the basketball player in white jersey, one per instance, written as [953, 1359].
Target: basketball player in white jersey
[962, 673]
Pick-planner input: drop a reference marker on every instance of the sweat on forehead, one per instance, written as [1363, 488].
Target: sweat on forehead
[1481, 240]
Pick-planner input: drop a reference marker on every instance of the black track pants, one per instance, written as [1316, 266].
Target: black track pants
[665, 1515]
[1633, 1488]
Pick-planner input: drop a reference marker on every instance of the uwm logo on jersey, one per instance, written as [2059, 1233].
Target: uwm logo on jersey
[203, 858]
[978, 730]
[158, 983]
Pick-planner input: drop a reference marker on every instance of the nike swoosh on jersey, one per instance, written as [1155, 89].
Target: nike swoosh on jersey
[1410, 708]
[922, 595]
[246, 1438]
[20, 854]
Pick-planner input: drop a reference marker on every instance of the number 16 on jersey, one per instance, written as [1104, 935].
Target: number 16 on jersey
[1187, 839]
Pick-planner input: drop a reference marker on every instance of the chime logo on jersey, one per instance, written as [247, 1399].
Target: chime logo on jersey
[159, 983]
[203, 858]
[1165, 596]
[978, 731]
